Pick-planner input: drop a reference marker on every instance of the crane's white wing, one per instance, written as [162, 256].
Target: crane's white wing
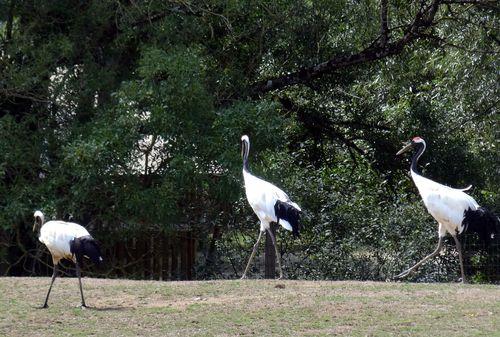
[262, 197]
[447, 205]
[56, 235]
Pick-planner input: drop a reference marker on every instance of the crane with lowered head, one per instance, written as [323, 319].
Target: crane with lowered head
[67, 240]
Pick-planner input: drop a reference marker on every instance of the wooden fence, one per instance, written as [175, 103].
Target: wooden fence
[155, 256]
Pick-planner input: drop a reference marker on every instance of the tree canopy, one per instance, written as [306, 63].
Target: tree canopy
[128, 115]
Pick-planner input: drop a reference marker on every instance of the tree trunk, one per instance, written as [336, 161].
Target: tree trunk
[212, 251]
[10, 19]
[270, 255]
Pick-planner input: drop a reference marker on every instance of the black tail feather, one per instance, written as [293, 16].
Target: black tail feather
[86, 246]
[483, 222]
[289, 213]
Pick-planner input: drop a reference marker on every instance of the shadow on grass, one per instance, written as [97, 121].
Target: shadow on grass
[110, 308]
[95, 308]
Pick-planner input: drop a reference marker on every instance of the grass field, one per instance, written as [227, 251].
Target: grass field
[247, 308]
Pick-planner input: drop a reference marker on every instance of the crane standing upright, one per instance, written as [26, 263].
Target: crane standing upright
[67, 240]
[454, 210]
[270, 204]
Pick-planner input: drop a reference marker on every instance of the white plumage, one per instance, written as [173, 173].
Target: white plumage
[452, 208]
[56, 236]
[66, 240]
[262, 197]
[269, 203]
[446, 204]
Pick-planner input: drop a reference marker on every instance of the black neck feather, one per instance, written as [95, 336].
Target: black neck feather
[416, 157]
[246, 148]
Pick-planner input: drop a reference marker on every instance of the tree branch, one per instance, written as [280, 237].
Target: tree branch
[319, 124]
[376, 51]
[384, 27]
[10, 19]
[442, 42]
[10, 93]
[483, 3]
[158, 16]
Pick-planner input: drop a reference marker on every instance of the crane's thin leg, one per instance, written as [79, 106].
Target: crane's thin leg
[434, 253]
[255, 246]
[78, 273]
[459, 248]
[276, 250]
[54, 275]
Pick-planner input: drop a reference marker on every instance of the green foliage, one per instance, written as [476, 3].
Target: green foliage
[128, 116]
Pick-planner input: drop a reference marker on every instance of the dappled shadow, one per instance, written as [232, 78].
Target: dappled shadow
[106, 308]
[110, 308]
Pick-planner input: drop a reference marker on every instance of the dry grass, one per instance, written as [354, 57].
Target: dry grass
[247, 308]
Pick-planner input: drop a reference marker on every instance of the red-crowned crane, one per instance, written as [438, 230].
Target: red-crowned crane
[270, 204]
[67, 240]
[454, 210]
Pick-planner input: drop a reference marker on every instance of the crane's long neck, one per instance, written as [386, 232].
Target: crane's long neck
[416, 157]
[245, 150]
[39, 221]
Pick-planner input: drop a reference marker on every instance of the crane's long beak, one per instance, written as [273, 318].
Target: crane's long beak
[36, 223]
[405, 148]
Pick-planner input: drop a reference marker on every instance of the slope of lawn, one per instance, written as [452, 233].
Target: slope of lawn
[247, 308]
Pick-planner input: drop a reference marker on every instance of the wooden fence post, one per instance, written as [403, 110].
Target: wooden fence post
[270, 255]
